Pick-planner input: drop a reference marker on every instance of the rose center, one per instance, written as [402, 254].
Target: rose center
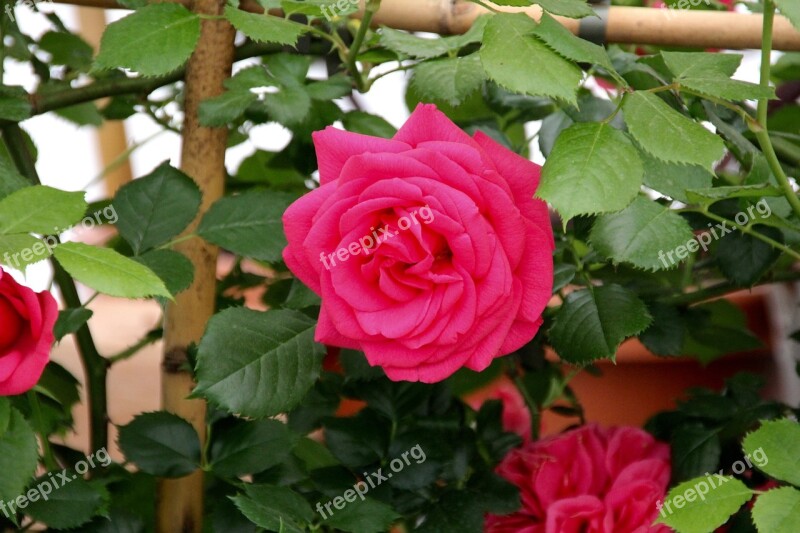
[10, 324]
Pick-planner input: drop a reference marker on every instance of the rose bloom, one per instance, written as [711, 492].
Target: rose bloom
[428, 249]
[587, 480]
[516, 416]
[26, 335]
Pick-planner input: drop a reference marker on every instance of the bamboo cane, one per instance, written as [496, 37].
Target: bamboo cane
[624, 25]
[180, 502]
[111, 136]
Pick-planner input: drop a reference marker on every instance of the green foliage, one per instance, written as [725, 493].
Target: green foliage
[274, 508]
[109, 272]
[248, 224]
[703, 515]
[638, 233]
[451, 79]
[597, 159]
[532, 68]
[70, 505]
[272, 361]
[71, 320]
[161, 444]
[40, 209]
[668, 134]
[778, 511]
[18, 452]
[154, 40]
[265, 28]
[772, 438]
[593, 322]
[156, 207]
[710, 74]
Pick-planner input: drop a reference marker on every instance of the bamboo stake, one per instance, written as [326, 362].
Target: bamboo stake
[625, 25]
[180, 502]
[111, 136]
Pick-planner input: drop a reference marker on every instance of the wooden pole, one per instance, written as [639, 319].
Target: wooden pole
[111, 136]
[180, 502]
[625, 25]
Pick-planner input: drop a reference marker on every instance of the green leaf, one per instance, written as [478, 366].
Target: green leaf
[19, 251]
[451, 79]
[709, 73]
[743, 258]
[174, 269]
[708, 196]
[640, 234]
[70, 505]
[225, 108]
[591, 324]
[567, 8]
[791, 10]
[778, 511]
[357, 516]
[153, 209]
[40, 209]
[67, 49]
[669, 135]
[708, 513]
[19, 455]
[516, 60]
[161, 444]
[109, 272]
[334, 87]
[778, 440]
[695, 451]
[248, 224]
[250, 447]
[289, 106]
[271, 361]
[424, 48]
[265, 28]
[597, 160]
[152, 41]
[274, 508]
[14, 104]
[71, 320]
[560, 39]
[10, 180]
[5, 415]
[361, 122]
[673, 179]
[666, 334]
[717, 328]
[300, 296]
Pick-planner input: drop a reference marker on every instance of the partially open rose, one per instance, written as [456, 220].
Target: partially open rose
[428, 249]
[26, 335]
[589, 479]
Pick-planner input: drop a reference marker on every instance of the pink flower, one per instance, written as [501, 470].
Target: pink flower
[428, 249]
[587, 480]
[26, 335]
[516, 416]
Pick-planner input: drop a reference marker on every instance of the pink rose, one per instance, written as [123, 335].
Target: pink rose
[428, 249]
[588, 480]
[516, 416]
[26, 335]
